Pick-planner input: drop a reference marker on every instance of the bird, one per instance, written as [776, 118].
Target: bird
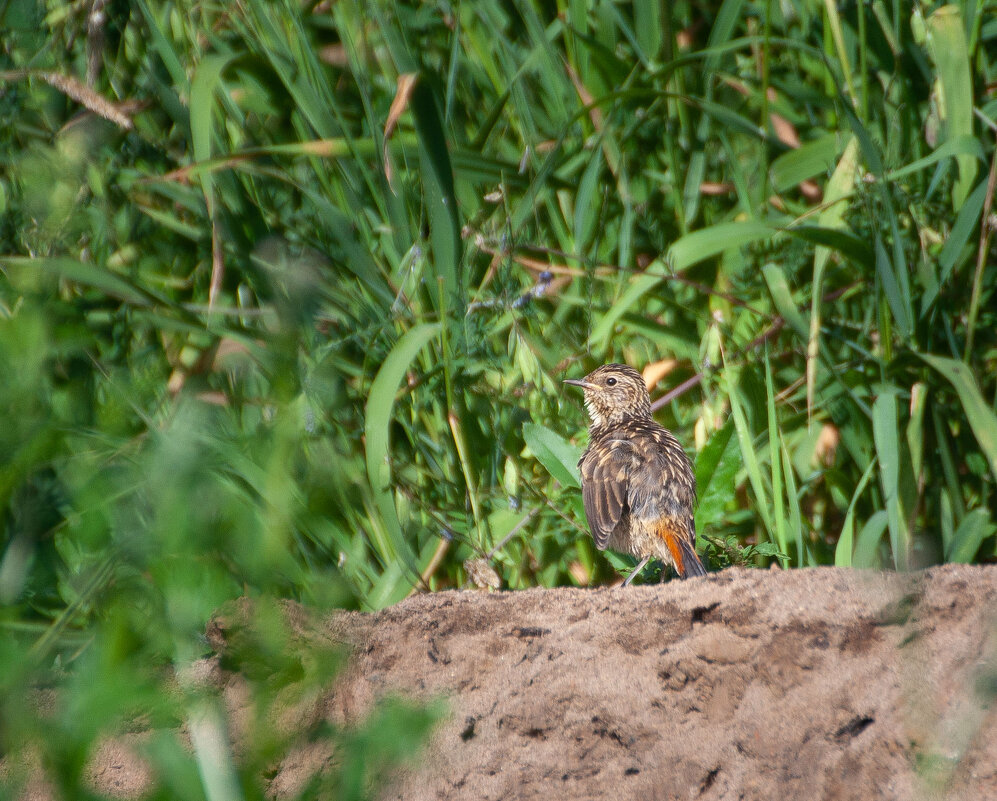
[638, 486]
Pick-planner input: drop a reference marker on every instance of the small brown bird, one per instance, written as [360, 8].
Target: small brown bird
[637, 482]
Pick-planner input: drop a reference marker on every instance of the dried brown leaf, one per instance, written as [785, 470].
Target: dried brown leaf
[403, 93]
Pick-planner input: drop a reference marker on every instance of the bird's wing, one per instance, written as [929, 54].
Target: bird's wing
[605, 481]
[662, 485]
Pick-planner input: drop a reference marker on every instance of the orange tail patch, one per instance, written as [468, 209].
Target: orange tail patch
[684, 556]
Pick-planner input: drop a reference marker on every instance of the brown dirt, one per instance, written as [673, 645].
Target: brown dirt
[801, 684]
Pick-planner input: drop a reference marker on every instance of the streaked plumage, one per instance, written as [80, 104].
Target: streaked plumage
[637, 482]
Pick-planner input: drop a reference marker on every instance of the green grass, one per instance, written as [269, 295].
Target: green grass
[254, 339]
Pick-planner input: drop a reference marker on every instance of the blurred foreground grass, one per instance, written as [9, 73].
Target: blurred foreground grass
[288, 291]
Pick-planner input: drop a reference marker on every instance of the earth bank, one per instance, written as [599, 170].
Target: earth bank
[745, 684]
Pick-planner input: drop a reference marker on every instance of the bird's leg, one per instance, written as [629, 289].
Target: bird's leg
[641, 565]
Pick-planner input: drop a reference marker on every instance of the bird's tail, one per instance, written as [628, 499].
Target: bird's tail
[682, 550]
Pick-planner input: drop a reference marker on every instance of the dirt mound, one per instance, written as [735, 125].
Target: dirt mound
[744, 685]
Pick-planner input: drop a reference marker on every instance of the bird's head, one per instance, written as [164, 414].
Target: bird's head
[614, 393]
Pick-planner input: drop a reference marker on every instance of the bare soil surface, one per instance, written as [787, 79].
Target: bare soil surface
[746, 684]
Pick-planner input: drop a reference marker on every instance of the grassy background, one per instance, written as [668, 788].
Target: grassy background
[288, 290]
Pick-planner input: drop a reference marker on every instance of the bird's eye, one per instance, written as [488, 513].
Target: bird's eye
[610, 382]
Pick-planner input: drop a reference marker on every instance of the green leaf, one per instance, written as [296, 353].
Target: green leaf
[91, 275]
[747, 446]
[804, 556]
[955, 246]
[768, 549]
[377, 417]
[438, 185]
[555, 453]
[981, 417]
[845, 243]
[843, 61]
[839, 188]
[588, 203]
[623, 563]
[162, 45]
[730, 119]
[722, 30]
[975, 527]
[959, 146]
[716, 467]
[639, 286]
[949, 51]
[782, 297]
[897, 299]
[867, 545]
[207, 78]
[805, 162]
[915, 427]
[707, 242]
[691, 186]
[843, 551]
[775, 471]
[886, 437]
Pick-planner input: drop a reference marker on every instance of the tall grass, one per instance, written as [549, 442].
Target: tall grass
[289, 289]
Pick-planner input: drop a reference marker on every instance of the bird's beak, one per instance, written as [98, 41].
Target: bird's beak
[579, 382]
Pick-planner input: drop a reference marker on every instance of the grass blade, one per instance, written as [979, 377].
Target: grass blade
[810, 160]
[715, 239]
[833, 216]
[884, 425]
[782, 297]
[982, 419]
[639, 286]
[896, 298]
[795, 514]
[775, 466]
[844, 555]
[716, 468]
[947, 45]
[377, 416]
[975, 527]
[867, 545]
[748, 453]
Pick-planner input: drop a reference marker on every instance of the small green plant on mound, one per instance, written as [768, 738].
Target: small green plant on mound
[729, 552]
